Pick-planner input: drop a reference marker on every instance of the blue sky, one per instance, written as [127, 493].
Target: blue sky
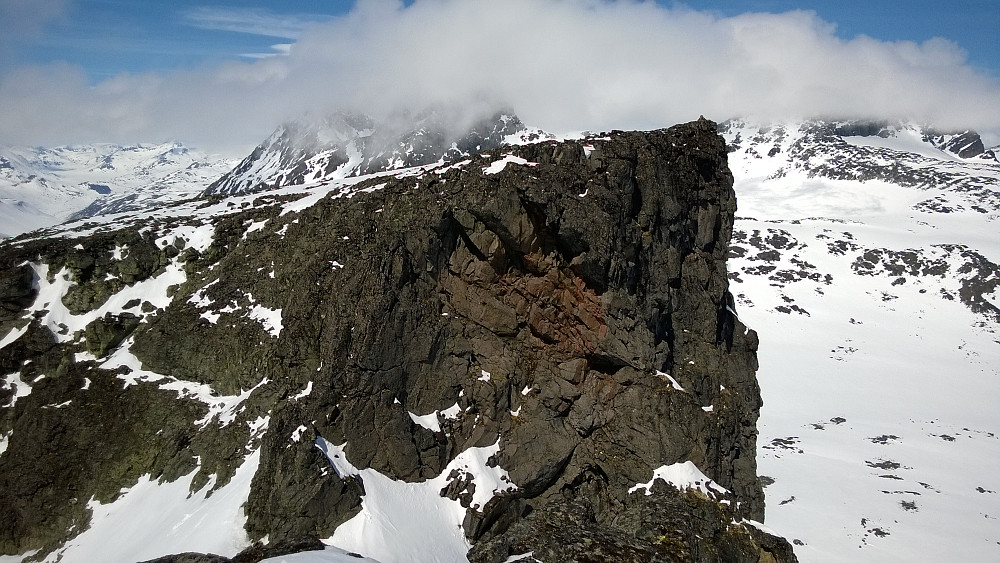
[223, 74]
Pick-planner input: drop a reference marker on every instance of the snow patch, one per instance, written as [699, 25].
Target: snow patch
[13, 335]
[64, 325]
[403, 522]
[21, 389]
[254, 227]
[431, 421]
[330, 554]
[672, 381]
[682, 476]
[304, 393]
[497, 166]
[270, 319]
[198, 237]
[161, 518]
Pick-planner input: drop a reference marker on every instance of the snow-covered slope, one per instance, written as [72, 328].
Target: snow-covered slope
[40, 187]
[345, 145]
[866, 257]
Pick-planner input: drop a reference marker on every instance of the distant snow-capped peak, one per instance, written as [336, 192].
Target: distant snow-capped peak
[345, 145]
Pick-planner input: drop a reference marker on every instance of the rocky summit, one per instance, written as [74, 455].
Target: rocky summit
[530, 354]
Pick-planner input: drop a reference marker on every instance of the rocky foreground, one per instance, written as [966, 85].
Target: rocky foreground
[561, 307]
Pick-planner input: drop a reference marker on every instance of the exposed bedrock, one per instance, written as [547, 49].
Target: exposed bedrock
[572, 304]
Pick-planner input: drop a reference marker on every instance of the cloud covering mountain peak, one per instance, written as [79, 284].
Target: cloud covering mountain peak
[561, 65]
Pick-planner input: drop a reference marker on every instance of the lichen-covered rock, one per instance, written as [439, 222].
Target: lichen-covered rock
[568, 305]
[667, 526]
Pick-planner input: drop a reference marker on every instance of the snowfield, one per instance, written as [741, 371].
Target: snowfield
[879, 435]
[43, 187]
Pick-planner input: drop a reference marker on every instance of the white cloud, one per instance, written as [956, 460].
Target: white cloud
[561, 64]
[277, 49]
[255, 21]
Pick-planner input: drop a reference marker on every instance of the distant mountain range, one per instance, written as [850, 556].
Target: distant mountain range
[41, 187]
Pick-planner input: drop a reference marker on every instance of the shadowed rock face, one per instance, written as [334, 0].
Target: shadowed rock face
[588, 283]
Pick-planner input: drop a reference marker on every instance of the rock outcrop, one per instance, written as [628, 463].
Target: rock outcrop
[566, 302]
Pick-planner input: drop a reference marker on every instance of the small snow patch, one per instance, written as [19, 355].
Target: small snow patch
[452, 412]
[673, 381]
[498, 166]
[20, 388]
[305, 392]
[431, 421]
[270, 319]
[13, 335]
[682, 476]
[254, 227]
[428, 421]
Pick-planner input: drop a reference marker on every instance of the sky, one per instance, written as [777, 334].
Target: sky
[221, 75]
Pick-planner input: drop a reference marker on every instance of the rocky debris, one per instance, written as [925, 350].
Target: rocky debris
[769, 251]
[252, 554]
[776, 255]
[564, 303]
[666, 526]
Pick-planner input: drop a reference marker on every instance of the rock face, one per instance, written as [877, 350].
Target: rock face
[564, 301]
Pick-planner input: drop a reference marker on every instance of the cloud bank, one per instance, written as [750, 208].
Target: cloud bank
[561, 64]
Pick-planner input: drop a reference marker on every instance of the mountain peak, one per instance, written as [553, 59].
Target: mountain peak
[345, 144]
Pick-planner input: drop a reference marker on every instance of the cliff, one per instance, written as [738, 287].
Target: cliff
[557, 309]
